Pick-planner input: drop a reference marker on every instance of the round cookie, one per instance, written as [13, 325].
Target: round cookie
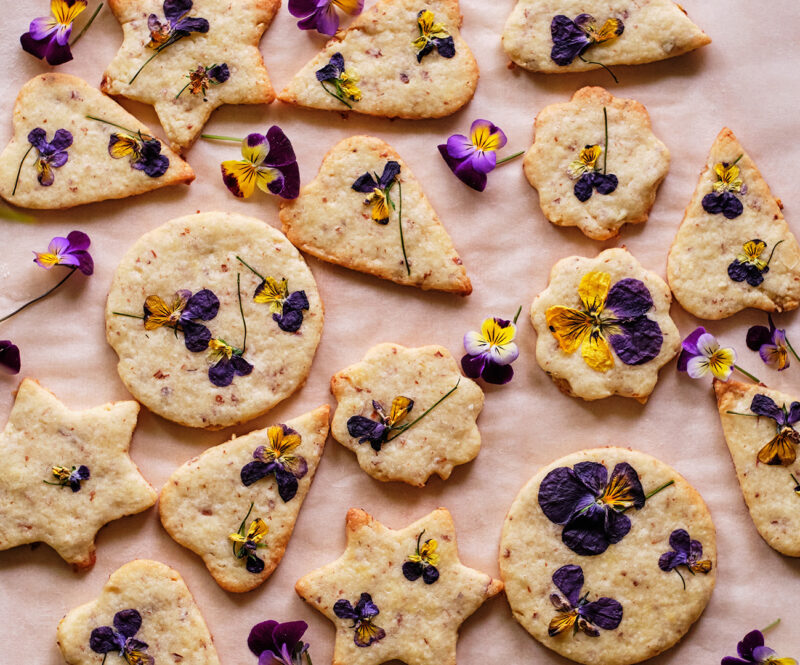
[656, 610]
[197, 253]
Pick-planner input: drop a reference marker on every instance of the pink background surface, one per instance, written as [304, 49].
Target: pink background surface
[743, 80]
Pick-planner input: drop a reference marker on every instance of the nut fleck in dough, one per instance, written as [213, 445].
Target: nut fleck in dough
[377, 47]
[657, 611]
[420, 620]
[769, 491]
[61, 101]
[331, 221]
[638, 159]
[205, 500]
[447, 436]
[654, 30]
[569, 371]
[199, 252]
[235, 30]
[706, 244]
[42, 433]
[172, 626]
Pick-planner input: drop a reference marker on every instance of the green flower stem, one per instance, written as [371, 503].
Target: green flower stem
[659, 488]
[339, 96]
[131, 316]
[739, 413]
[793, 478]
[605, 149]
[167, 43]
[510, 157]
[773, 251]
[516, 316]
[240, 531]
[241, 311]
[19, 170]
[250, 268]
[600, 64]
[773, 624]
[402, 429]
[182, 89]
[681, 576]
[734, 163]
[791, 348]
[86, 27]
[44, 295]
[748, 375]
[215, 137]
[400, 224]
[113, 124]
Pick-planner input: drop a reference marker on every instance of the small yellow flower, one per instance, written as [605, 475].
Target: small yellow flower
[751, 254]
[728, 179]
[611, 29]
[586, 161]
[255, 534]
[348, 85]
[272, 292]
[158, 313]
[427, 553]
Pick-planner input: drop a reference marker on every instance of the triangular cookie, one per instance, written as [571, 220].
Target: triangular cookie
[234, 30]
[74, 153]
[771, 490]
[406, 59]
[719, 263]
[650, 30]
[205, 500]
[356, 229]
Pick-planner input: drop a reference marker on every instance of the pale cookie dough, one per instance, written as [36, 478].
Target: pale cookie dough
[770, 492]
[707, 244]
[656, 610]
[332, 221]
[653, 30]
[199, 252]
[170, 623]
[447, 436]
[235, 30]
[205, 500]
[570, 371]
[635, 156]
[417, 621]
[41, 434]
[378, 50]
[60, 101]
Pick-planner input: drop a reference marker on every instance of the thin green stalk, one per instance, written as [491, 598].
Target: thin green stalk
[400, 224]
[748, 375]
[401, 430]
[793, 478]
[19, 170]
[658, 489]
[113, 124]
[44, 295]
[250, 268]
[510, 157]
[240, 530]
[605, 148]
[516, 316]
[241, 311]
[182, 89]
[339, 97]
[773, 251]
[600, 64]
[215, 137]
[771, 626]
[681, 576]
[86, 27]
[734, 163]
[169, 42]
[132, 316]
[791, 348]
[739, 413]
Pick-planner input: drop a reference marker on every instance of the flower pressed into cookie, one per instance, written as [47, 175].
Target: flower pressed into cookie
[365, 632]
[71, 477]
[432, 36]
[342, 83]
[723, 199]
[748, 266]
[684, 552]
[120, 639]
[572, 37]
[247, 541]
[278, 458]
[422, 563]
[50, 154]
[575, 612]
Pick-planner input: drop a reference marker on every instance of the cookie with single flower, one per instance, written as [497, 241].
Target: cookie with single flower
[215, 318]
[733, 249]
[407, 413]
[67, 473]
[187, 58]
[236, 504]
[600, 542]
[761, 430]
[603, 326]
[144, 615]
[558, 36]
[366, 211]
[596, 163]
[71, 145]
[397, 594]
[399, 59]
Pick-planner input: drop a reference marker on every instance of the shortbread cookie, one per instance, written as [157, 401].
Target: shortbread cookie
[67, 473]
[381, 396]
[263, 475]
[217, 63]
[603, 326]
[366, 211]
[764, 452]
[144, 614]
[189, 360]
[607, 522]
[400, 59]
[584, 183]
[58, 157]
[397, 594]
[734, 249]
[558, 36]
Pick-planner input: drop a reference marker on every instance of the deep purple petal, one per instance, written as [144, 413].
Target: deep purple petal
[195, 336]
[569, 41]
[78, 240]
[638, 341]
[473, 365]
[260, 638]
[365, 183]
[289, 633]
[560, 493]
[738, 271]
[689, 345]
[254, 564]
[751, 641]
[412, 570]
[446, 47]
[333, 69]
[569, 580]
[765, 406]
[280, 152]
[593, 475]
[631, 480]
[287, 187]
[390, 171]
[9, 357]
[58, 159]
[731, 206]
[344, 610]
[365, 608]
[460, 147]
[695, 550]
[617, 526]
[240, 365]
[287, 484]
[254, 471]
[584, 187]
[430, 574]
[712, 203]
[83, 472]
[38, 138]
[82, 260]
[221, 374]
[497, 374]
[605, 183]
[103, 640]
[203, 305]
[300, 8]
[679, 541]
[605, 613]
[466, 174]
[301, 468]
[670, 560]
[128, 622]
[629, 298]
[62, 140]
[47, 49]
[326, 20]
[174, 9]
[365, 429]
[586, 535]
[794, 413]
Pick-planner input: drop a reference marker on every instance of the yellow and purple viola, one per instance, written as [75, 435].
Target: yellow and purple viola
[723, 200]
[752, 650]
[491, 351]
[702, 354]
[182, 315]
[379, 189]
[423, 562]
[50, 154]
[572, 37]
[71, 477]
[286, 307]
[748, 266]
[362, 615]
[269, 163]
[585, 170]
[278, 458]
[48, 36]
[344, 81]
[377, 431]
[120, 639]
[227, 361]
[279, 643]
[247, 542]
[781, 450]
[10, 362]
[203, 77]
[320, 15]
[684, 552]
[432, 35]
[772, 345]
[72, 252]
[575, 611]
[472, 157]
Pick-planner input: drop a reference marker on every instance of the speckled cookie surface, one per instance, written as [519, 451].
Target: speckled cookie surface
[378, 49]
[707, 244]
[41, 434]
[199, 252]
[417, 621]
[171, 624]
[332, 221]
[234, 32]
[569, 370]
[635, 156]
[654, 30]
[447, 436]
[771, 494]
[656, 610]
[205, 501]
[61, 101]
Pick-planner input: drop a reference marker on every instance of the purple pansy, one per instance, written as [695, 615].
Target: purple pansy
[9, 357]
[571, 38]
[277, 457]
[201, 78]
[781, 449]
[366, 633]
[724, 203]
[121, 639]
[422, 563]
[269, 163]
[278, 643]
[71, 251]
[771, 344]
[70, 476]
[177, 25]
[639, 338]
[471, 158]
[48, 36]
[143, 150]
[379, 188]
[585, 170]
[723, 199]
[432, 36]
[183, 314]
[377, 431]
[685, 552]
[574, 610]
[701, 353]
[226, 362]
[491, 351]
[320, 15]
[52, 155]
[752, 650]
[748, 265]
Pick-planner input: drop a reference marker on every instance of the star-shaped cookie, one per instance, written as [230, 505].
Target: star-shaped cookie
[397, 594]
[97, 482]
[231, 37]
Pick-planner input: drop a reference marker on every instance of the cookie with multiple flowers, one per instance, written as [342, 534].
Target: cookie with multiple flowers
[596, 162]
[215, 318]
[598, 543]
[72, 145]
[366, 211]
[734, 248]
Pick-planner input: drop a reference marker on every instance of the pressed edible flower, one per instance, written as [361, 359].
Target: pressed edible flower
[723, 199]
[362, 615]
[575, 612]
[202, 78]
[144, 152]
[748, 265]
[344, 82]
[772, 345]
[491, 351]
[432, 36]
[585, 170]
[286, 307]
[278, 457]
[320, 15]
[685, 552]
[48, 36]
[423, 562]
[377, 431]
[9, 357]
[782, 448]
[50, 155]
[702, 354]
[571, 38]
[752, 650]
[227, 361]
[279, 643]
[247, 542]
[182, 315]
[121, 639]
[69, 476]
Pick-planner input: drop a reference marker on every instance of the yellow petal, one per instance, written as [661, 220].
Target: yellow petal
[593, 291]
[497, 335]
[65, 14]
[569, 326]
[400, 408]
[124, 146]
[239, 177]
[237, 538]
[272, 292]
[257, 531]
[589, 156]
[610, 30]
[561, 622]
[597, 353]
[781, 450]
